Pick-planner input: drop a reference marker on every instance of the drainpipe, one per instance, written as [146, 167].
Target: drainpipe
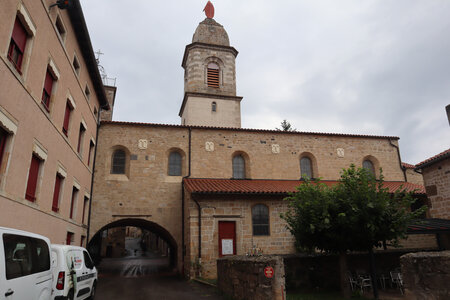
[183, 250]
[399, 159]
[92, 177]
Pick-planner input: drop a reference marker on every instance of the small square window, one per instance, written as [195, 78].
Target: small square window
[76, 65]
[60, 28]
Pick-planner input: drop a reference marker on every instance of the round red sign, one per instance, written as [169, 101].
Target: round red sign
[268, 271]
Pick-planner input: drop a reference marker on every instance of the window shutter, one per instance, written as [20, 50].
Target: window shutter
[19, 35]
[66, 119]
[32, 179]
[46, 93]
[3, 136]
[55, 207]
[213, 75]
[74, 195]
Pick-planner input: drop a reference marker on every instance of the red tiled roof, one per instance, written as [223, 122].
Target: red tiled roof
[249, 130]
[408, 166]
[267, 186]
[434, 159]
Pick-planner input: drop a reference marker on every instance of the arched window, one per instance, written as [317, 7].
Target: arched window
[118, 162]
[174, 164]
[213, 75]
[214, 106]
[238, 167]
[368, 165]
[260, 219]
[306, 167]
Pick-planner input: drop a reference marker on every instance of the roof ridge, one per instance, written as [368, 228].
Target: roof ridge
[249, 129]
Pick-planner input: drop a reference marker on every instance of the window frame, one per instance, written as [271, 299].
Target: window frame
[81, 135]
[214, 106]
[33, 178]
[57, 191]
[213, 75]
[371, 168]
[266, 218]
[175, 164]
[241, 172]
[17, 46]
[49, 83]
[115, 165]
[303, 166]
[4, 135]
[73, 200]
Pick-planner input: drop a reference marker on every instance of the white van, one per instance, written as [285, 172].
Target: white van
[74, 273]
[25, 266]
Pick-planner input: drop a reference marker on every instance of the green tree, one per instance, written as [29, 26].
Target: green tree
[357, 214]
[286, 126]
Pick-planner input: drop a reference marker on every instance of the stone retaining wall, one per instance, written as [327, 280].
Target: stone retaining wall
[242, 277]
[426, 275]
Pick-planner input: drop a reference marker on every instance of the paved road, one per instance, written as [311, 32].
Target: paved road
[147, 276]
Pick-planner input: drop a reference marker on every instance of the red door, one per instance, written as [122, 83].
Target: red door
[227, 238]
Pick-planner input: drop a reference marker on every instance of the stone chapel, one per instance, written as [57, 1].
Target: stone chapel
[210, 188]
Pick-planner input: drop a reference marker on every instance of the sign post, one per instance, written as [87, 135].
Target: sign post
[268, 272]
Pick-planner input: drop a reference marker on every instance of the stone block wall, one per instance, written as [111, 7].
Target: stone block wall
[437, 185]
[243, 277]
[237, 209]
[426, 275]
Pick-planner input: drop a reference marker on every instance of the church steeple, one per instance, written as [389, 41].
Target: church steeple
[210, 77]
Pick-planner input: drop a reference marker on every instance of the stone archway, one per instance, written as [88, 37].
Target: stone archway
[94, 244]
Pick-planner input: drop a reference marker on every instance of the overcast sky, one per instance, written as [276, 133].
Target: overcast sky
[365, 67]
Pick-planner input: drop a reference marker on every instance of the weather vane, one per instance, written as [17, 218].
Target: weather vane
[209, 10]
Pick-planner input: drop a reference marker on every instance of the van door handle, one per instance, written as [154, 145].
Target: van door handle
[9, 293]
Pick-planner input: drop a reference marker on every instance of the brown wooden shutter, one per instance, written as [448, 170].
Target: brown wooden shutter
[30, 194]
[3, 136]
[55, 206]
[213, 76]
[47, 92]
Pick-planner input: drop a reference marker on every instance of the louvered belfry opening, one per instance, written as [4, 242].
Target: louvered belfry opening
[213, 75]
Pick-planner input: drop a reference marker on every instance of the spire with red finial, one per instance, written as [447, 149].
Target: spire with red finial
[209, 10]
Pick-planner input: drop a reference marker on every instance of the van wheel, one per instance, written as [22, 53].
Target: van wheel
[70, 295]
[94, 287]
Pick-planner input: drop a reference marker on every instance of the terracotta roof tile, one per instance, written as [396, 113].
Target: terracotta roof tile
[266, 186]
[408, 166]
[434, 159]
[249, 130]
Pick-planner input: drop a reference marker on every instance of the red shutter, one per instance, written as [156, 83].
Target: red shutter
[47, 92]
[55, 206]
[3, 136]
[48, 82]
[19, 35]
[66, 119]
[69, 238]
[32, 179]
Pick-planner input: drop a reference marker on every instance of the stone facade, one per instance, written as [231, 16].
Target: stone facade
[36, 129]
[244, 278]
[437, 184]
[426, 275]
[210, 44]
[413, 177]
[147, 192]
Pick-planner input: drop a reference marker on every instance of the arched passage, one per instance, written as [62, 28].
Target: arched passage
[94, 244]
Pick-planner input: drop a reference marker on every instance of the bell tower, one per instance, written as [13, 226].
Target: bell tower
[210, 77]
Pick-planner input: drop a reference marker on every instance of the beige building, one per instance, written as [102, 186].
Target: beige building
[51, 93]
[210, 188]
